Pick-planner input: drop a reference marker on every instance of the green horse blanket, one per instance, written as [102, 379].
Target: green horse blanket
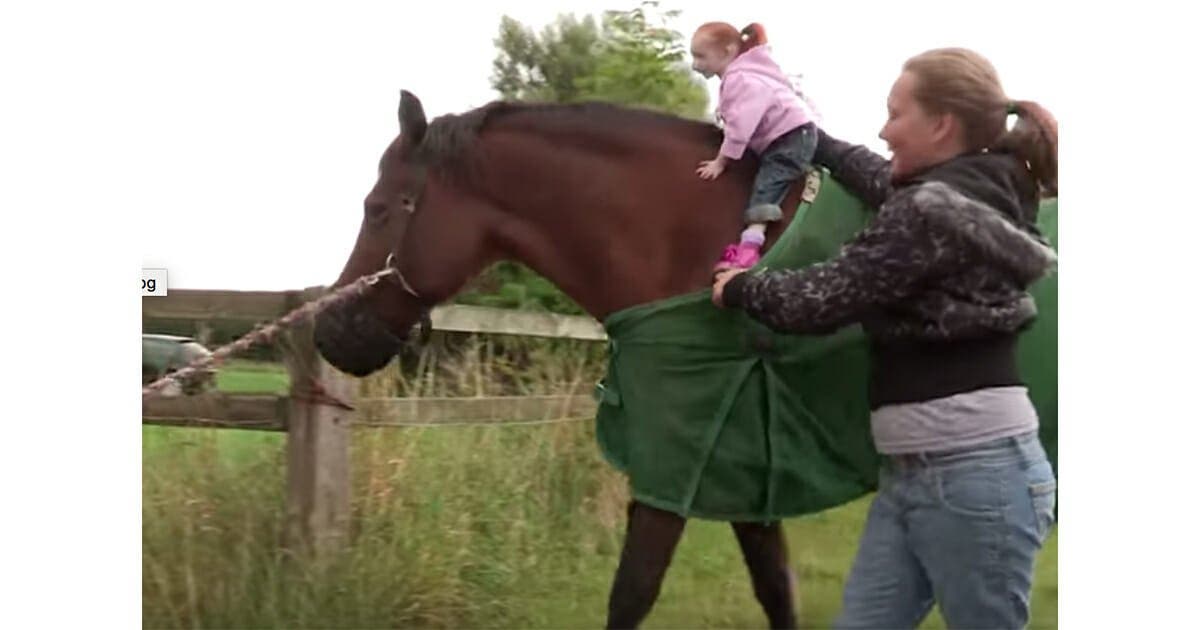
[712, 415]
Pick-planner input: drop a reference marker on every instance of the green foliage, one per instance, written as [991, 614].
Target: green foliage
[631, 58]
[513, 285]
[641, 62]
[532, 67]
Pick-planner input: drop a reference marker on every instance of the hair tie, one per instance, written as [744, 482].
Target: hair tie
[1012, 108]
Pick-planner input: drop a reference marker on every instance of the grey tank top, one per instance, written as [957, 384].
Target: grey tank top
[956, 421]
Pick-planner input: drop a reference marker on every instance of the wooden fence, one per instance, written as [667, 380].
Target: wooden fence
[318, 454]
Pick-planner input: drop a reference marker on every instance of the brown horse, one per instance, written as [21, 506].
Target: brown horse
[602, 200]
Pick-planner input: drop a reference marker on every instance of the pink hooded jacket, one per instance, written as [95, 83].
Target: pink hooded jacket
[757, 103]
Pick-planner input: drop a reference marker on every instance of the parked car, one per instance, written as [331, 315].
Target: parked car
[166, 353]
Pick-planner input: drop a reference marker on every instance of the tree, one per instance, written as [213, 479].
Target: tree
[642, 62]
[630, 57]
[533, 68]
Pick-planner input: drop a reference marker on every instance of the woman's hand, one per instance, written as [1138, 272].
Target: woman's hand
[719, 282]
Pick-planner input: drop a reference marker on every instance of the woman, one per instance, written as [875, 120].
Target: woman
[939, 282]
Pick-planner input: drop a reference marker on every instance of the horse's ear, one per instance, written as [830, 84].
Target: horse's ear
[412, 119]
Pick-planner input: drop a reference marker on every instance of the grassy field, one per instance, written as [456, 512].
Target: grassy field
[482, 527]
[252, 377]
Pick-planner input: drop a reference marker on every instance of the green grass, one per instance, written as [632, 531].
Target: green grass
[251, 377]
[453, 527]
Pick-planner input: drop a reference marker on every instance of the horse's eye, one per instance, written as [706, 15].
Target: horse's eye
[409, 203]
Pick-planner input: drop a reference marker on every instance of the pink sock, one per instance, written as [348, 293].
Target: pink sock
[754, 237]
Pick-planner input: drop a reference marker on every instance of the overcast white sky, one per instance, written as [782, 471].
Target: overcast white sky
[261, 126]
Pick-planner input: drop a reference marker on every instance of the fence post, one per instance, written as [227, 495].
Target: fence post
[318, 446]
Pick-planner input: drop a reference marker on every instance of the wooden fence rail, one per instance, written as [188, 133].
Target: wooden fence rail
[270, 412]
[256, 306]
[238, 411]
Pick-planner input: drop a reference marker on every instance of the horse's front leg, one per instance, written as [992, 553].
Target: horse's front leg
[765, 552]
[650, 538]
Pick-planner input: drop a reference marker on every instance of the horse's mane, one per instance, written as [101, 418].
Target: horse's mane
[450, 141]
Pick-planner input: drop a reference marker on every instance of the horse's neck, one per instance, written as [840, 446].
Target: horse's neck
[612, 229]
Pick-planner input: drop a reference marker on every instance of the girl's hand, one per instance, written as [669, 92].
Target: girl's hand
[711, 169]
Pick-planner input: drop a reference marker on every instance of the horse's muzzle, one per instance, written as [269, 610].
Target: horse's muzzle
[354, 340]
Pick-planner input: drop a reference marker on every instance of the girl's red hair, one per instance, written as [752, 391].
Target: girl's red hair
[725, 34]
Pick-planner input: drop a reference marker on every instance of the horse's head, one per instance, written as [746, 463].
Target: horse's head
[430, 230]
[601, 200]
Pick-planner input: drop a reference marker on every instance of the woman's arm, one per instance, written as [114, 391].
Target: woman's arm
[866, 174]
[883, 265]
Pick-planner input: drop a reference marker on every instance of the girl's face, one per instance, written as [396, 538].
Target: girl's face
[710, 58]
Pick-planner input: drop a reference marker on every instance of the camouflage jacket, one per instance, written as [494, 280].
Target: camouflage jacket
[947, 260]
